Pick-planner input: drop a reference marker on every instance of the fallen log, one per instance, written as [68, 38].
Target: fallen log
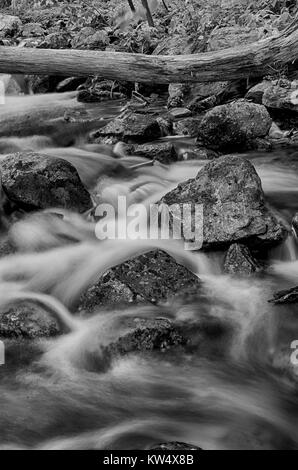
[256, 59]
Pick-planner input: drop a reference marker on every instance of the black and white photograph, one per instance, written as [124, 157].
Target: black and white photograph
[148, 229]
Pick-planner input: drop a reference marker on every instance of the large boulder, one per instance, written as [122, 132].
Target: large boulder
[234, 126]
[9, 25]
[230, 193]
[164, 152]
[146, 335]
[34, 181]
[151, 277]
[27, 321]
[256, 93]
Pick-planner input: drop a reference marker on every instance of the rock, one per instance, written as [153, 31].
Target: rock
[256, 93]
[174, 446]
[234, 126]
[282, 95]
[146, 335]
[239, 261]
[288, 296]
[131, 128]
[188, 126]
[9, 25]
[27, 321]
[34, 181]
[152, 277]
[164, 152]
[56, 40]
[179, 113]
[69, 84]
[234, 209]
[89, 38]
[176, 45]
[231, 36]
[32, 30]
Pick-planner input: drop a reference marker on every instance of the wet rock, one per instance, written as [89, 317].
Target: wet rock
[239, 261]
[109, 290]
[174, 446]
[231, 36]
[234, 126]
[9, 25]
[26, 321]
[288, 296]
[164, 152]
[256, 93]
[282, 95]
[131, 128]
[188, 126]
[89, 38]
[34, 181]
[234, 209]
[69, 84]
[152, 277]
[146, 335]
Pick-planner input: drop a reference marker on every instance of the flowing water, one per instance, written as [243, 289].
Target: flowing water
[234, 387]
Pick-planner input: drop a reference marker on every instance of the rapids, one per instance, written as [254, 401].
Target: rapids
[238, 391]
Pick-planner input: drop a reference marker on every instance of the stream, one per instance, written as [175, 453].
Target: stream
[237, 390]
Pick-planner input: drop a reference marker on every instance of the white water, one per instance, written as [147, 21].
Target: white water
[233, 387]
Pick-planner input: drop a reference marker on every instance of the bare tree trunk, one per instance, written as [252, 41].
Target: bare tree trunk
[148, 12]
[255, 59]
[132, 7]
